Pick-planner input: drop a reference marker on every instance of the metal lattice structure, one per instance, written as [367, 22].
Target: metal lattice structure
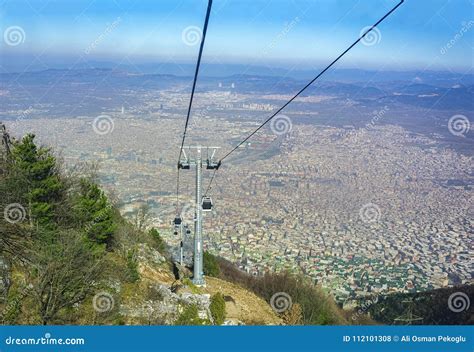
[192, 156]
[408, 318]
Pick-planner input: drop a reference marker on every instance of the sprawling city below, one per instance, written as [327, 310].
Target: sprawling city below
[355, 190]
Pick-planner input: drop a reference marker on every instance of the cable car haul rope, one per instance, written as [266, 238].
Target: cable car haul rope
[304, 88]
[218, 164]
[196, 73]
[204, 202]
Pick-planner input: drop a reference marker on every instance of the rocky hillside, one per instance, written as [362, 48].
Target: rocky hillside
[68, 257]
[160, 298]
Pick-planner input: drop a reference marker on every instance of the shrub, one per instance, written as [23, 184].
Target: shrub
[62, 274]
[217, 308]
[190, 316]
[211, 266]
[132, 266]
[12, 309]
[194, 289]
[159, 243]
[317, 308]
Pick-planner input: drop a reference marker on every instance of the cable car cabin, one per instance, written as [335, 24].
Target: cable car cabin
[207, 204]
[187, 230]
[175, 233]
[184, 165]
[212, 165]
[177, 221]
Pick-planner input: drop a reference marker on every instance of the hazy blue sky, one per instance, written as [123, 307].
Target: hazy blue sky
[305, 33]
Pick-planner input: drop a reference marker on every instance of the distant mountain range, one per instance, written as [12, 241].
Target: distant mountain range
[438, 78]
[420, 102]
[426, 90]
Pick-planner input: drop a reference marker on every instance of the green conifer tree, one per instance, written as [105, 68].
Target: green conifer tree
[96, 213]
[37, 169]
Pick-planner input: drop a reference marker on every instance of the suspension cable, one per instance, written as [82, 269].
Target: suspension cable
[307, 85]
[210, 182]
[196, 73]
[312, 81]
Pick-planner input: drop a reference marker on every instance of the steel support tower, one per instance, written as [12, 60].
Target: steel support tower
[198, 278]
[181, 243]
[193, 157]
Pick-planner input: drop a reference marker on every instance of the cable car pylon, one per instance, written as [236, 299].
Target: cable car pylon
[192, 156]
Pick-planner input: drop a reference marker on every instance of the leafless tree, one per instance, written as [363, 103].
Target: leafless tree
[143, 217]
[63, 274]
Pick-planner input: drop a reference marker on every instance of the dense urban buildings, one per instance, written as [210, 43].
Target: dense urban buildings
[362, 209]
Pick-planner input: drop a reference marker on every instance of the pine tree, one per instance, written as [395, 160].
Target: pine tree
[37, 169]
[96, 213]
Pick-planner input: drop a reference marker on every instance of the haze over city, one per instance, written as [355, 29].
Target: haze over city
[363, 184]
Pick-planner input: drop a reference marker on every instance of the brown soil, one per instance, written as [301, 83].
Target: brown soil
[244, 305]
[156, 274]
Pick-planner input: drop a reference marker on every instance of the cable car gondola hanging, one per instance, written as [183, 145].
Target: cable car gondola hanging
[177, 221]
[184, 165]
[207, 204]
